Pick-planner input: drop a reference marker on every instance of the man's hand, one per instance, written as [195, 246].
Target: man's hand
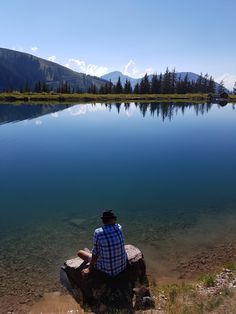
[85, 272]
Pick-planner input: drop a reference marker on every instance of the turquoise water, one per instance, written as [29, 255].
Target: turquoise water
[167, 170]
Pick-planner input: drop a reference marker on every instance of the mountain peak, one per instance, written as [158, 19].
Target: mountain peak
[115, 75]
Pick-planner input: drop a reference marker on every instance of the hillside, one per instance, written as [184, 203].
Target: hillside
[18, 69]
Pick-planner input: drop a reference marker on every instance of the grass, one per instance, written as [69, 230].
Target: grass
[187, 298]
[54, 97]
[208, 280]
[230, 265]
[174, 298]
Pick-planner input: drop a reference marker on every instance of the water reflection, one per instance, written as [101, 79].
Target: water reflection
[172, 184]
[163, 110]
[14, 113]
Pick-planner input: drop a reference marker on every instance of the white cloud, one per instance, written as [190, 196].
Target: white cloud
[52, 58]
[149, 70]
[132, 70]
[82, 66]
[38, 122]
[34, 48]
[55, 115]
[18, 49]
[84, 109]
[229, 80]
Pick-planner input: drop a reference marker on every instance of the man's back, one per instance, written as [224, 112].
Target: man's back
[108, 244]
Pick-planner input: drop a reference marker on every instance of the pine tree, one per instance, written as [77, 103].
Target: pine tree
[64, 88]
[108, 88]
[205, 83]
[179, 86]
[127, 87]
[37, 87]
[155, 85]
[44, 87]
[94, 89]
[26, 88]
[161, 83]
[102, 89]
[234, 89]
[118, 89]
[186, 84]
[110, 85]
[136, 88]
[172, 82]
[144, 85]
[166, 85]
[183, 86]
[221, 88]
[211, 85]
[199, 84]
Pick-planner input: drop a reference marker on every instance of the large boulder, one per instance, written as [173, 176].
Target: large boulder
[126, 291]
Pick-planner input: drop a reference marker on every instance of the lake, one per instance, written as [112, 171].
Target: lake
[168, 170]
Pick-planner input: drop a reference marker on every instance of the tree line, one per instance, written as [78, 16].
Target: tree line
[166, 83]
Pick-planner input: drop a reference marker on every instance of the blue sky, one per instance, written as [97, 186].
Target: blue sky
[134, 37]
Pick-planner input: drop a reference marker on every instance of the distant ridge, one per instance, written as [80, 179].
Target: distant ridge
[18, 69]
[114, 76]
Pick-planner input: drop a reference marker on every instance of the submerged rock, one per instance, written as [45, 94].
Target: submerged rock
[76, 222]
[126, 291]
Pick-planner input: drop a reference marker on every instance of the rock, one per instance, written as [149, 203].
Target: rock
[77, 222]
[143, 299]
[127, 290]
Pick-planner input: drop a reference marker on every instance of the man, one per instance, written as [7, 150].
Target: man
[108, 253]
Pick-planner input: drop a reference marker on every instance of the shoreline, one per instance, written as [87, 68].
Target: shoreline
[181, 264]
[187, 272]
[84, 98]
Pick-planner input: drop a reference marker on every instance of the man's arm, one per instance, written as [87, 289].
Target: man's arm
[95, 254]
[88, 270]
[93, 261]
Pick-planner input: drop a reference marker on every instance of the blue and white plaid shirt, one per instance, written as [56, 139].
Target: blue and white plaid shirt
[108, 245]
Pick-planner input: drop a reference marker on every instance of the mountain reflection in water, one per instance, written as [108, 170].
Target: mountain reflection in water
[164, 110]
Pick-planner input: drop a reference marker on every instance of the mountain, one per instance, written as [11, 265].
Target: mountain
[18, 69]
[10, 113]
[113, 76]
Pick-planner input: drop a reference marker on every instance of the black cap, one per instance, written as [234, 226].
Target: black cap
[108, 214]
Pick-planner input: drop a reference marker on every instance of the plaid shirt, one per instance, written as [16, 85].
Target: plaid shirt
[108, 245]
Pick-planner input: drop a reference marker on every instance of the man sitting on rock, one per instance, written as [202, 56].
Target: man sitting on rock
[108, 253]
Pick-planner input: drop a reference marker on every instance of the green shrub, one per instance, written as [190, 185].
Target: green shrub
[208, 280]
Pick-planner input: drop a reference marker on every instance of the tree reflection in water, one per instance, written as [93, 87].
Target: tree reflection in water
[164, 110]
